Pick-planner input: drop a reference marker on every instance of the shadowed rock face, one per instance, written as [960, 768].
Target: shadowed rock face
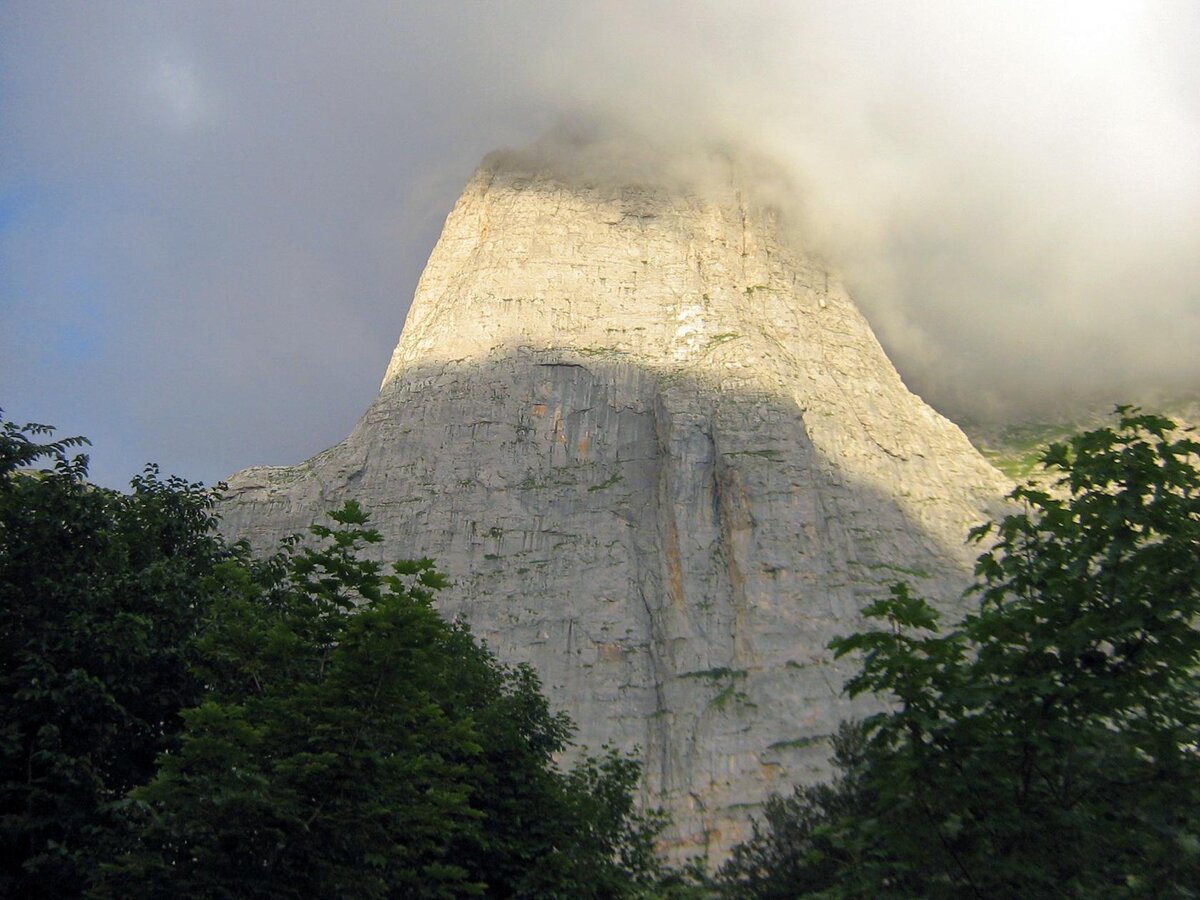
[664, 460]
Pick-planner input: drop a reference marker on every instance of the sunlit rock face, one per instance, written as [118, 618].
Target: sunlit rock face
[662, 458]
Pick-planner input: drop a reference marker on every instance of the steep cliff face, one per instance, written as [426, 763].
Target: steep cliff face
[663, 459]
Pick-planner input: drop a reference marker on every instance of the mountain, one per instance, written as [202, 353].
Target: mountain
[662, 458]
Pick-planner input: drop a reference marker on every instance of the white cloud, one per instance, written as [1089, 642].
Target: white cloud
[175, 84]
[1014, 188]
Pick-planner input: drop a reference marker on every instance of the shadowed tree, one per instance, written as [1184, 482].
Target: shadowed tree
[1047, 745]
[178, 717]
[100, 596]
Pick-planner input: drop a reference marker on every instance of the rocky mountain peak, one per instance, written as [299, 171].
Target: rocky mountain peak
[662, 458]
[535, 257]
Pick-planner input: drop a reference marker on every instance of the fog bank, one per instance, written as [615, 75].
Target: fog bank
[212, 216]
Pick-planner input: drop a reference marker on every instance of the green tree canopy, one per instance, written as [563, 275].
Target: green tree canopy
[1047, 745]
[100, 594]
[181, 718]
[365, 747]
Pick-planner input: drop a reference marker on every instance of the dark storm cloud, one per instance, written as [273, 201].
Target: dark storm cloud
[212, 215]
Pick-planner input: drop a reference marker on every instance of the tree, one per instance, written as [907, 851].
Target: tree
[180, 717]
[99, 595]
[1047, 745]
[362, 746]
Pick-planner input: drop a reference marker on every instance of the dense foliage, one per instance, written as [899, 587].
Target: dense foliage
[180, 718]
[100, 595]
[1047, 745]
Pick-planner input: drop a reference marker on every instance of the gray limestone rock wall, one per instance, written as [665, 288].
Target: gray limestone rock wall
[663, 459]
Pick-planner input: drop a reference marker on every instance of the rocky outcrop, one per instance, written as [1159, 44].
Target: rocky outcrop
[662, 458]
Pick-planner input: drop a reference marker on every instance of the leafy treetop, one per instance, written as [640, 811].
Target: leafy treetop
[1046, 746]
[179, 717]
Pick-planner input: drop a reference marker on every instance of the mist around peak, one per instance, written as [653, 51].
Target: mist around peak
[612, 154]
[1011, 192]
[212, 217]
[995, 303]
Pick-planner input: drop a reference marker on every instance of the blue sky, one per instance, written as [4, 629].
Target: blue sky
[213, 215]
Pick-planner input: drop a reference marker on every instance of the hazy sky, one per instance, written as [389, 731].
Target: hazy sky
[213, 215]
